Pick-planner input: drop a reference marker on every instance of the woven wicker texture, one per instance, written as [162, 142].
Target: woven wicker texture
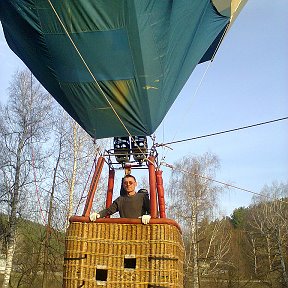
[123, 255]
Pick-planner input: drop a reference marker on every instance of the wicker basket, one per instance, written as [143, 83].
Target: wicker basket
[117, 255]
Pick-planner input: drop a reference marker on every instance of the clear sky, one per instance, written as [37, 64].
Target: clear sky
[245, 84]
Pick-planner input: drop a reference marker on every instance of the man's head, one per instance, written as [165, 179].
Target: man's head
[129, 184]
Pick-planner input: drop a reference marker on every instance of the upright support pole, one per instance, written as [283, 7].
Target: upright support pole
[152, 184]
[93, 186]
[110, 189]
[160, 190]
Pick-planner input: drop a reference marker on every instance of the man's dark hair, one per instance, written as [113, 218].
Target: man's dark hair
[129, 175]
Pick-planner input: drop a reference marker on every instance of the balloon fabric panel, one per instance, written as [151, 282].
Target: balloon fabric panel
[141, 54]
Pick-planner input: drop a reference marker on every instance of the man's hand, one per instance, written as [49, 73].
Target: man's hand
[94, 216]
[145, 219]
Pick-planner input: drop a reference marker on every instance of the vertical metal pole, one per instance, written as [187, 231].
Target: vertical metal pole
[152, 184]
[93, 186]
[109, 195]
[160, 190]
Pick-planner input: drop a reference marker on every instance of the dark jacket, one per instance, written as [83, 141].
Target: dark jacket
[129, 206]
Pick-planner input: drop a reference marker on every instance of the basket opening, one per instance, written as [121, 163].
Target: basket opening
[130, 263]
[101, 274]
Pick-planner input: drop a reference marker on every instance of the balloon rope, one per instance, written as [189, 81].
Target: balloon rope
[184, 115]
[222, 183]
[94, 78]
[87, 67]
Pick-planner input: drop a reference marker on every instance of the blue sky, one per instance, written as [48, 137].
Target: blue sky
[245, 84]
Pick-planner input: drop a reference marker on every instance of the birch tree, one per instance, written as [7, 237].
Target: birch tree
[75, 152]
[72, 154]
[214, 247]
[192, 198]
[23, 123]
[77, 168]
[268, 224]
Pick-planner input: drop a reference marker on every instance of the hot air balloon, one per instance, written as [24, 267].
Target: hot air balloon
[117, 66]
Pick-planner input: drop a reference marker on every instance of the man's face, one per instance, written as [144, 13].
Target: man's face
[129, 185]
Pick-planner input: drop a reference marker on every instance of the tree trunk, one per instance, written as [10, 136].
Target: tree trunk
[253, 241]
[74, 172]
[269, 251]
[49, 223]
[195, 275]
[13, 219]
[282, 261]
[9, 259]
[193, 254]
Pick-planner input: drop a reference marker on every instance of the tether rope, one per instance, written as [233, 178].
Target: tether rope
[95, 80]
[223, 132]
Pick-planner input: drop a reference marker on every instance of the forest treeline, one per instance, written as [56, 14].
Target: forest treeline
[45, 164]
[247, 249]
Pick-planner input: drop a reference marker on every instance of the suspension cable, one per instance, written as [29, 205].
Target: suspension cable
[223, 132]
[220, 182]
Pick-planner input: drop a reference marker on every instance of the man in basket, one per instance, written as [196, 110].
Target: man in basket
[129, 205]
